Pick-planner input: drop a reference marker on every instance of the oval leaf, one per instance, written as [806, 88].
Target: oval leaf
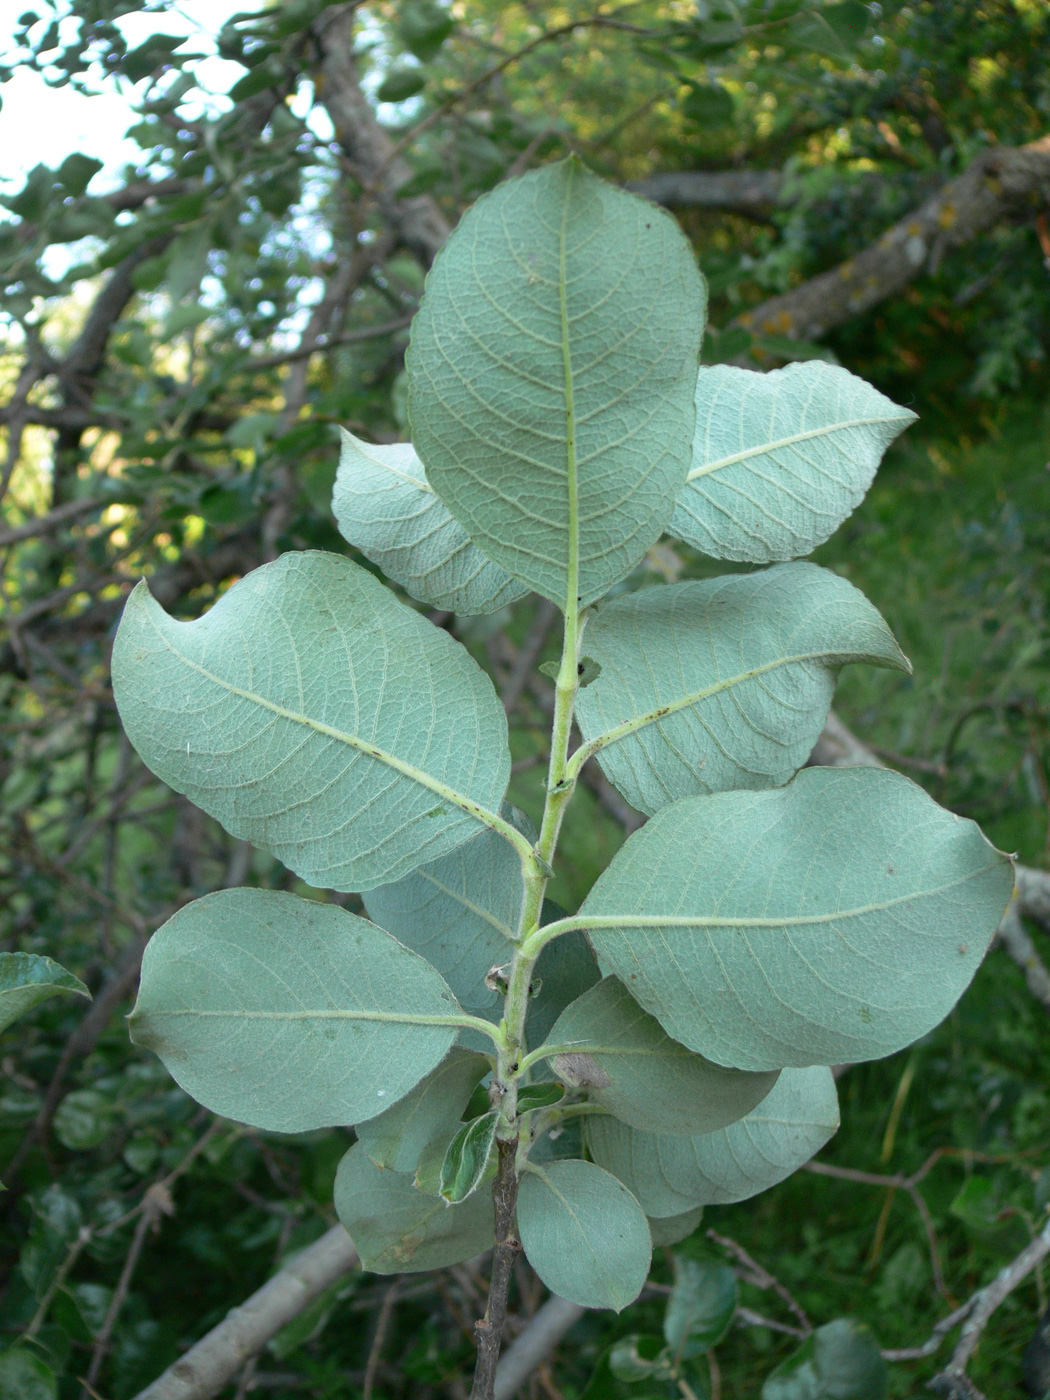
[399, 1230]
[584, 1234]
[701, 1306]
[384, 505]
[551, 370]
[313, 714]
[671, 1175]
[836, 919]
[780, 459]
[721, 684]
[626, 1062]
[467, 1159]
[840, 1361]
[461, 912]
[289, 1014]
[27, 979]
[672, 1229]
[397, 1137]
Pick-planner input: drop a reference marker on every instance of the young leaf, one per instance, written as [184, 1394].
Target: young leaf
[672, 1229]
[399, 1230]
[289, 1014]
[397, 1137]
[551, 373]
[466, 1159]
[627, 1063]
[461, 912]
[836, 919]
[840, 1361]
[313, 714]
[544, 1095]
[701, 1306]
[725, 683]
[780, 458]
[584, 1234]
[384, 505]
[671, 1175]
[627, 1363]
[28, 978]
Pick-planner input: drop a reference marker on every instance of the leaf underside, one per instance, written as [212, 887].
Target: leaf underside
[780, 458]
[833, 920]
[670, 1175]
[383, 504]
[557, 286]
[285, 711]
[289, 1014]
[730, 679]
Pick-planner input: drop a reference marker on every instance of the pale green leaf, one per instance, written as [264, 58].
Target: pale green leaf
[672, 1229]
[398, 1229]
[626, 1062]
[671, 1175]
[725, 683]
[461, 912]
[28, 978]
[26, 1376]
[383, 504]
[836, 919]
[287, 1013]
[313, 714]
[551, 373]
[780, 459]
[840, 1361]
[397, 1137]
[467, 1159]
[584, 1234]
[542, 1095]
[701, 1306]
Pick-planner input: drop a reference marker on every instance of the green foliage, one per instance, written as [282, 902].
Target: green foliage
[27, 979]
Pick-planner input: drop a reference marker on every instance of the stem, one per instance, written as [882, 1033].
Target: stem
[489, 1331]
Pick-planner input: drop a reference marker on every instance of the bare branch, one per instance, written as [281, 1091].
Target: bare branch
[754, 193]
[999, 183]
[215, 1360]
[53, 520]
[534, 1344]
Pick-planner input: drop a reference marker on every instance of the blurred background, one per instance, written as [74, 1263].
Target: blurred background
[215, 227]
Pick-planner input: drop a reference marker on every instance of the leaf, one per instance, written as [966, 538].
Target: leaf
[701, 1307]
[724, 683]
[544, 1095]
[558, 298]
[384, 506]
[584, 1234]
[26, 1376]
[313, 714]
[27, 979]
[423, 26]
[77, 171]
[287, 1013]
[672, 1229]
[396, 1138]
[460, 912]
[833, 31]
[627, 1363]
[840, 1361]
[671, 1175]
[467, 1158]
[401, 81]
[399, 1230]
[780, 459]
[836, 919]
[626, 1062]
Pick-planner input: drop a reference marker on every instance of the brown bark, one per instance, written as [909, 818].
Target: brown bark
[489, 1330]
[754, 193]
[1003, 182]
[418, 222]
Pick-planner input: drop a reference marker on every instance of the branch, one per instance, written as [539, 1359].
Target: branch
[754, 193]
[215, 1360]
[44, 524]
[418, 222]
[534, 1344]
[1001, 182]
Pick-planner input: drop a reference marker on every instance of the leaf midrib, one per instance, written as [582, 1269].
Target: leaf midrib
[767, 447]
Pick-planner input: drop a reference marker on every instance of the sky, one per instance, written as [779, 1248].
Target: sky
[43, 124]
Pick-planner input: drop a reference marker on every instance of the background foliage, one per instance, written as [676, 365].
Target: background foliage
[179, 347]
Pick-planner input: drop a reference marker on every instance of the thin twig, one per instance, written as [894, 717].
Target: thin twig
[763, 1278]
[488, 1330]
[375, 1351]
